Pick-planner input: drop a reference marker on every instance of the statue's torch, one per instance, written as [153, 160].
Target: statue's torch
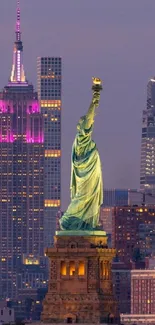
[97, 84]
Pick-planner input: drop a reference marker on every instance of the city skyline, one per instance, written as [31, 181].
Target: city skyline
[120, 27]
[76, 269]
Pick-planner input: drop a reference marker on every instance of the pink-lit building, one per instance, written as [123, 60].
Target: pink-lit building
[21, 174]
[142, 292]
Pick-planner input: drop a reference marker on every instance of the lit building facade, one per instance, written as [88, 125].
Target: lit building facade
[147, 174]
[127, 231]
[118, 198]
[31, 277]
[142, 292]
[146, 239]
[112, 197]
[49, 79]
[21, 173]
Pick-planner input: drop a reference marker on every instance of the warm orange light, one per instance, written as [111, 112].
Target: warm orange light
[52, 153]
[52, 76]
[63, 268]
[52, 203]
[50, 103]
[3, 259]
[31, 261]
[81, 269]
[72, 268]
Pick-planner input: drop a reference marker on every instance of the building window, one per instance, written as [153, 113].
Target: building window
[63, 268]
[1, 312]
[102, 270]
[81, 268]
[72, 268]
[105, 270]
[10, 312]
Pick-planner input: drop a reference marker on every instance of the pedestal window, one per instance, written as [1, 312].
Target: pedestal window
[81, 268]
[71, 268]
[105, 270]
[63, 269]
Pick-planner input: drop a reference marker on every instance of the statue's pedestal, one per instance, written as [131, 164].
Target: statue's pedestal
[80, 284]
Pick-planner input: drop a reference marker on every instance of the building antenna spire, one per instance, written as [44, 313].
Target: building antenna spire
[18, 32]
[17, 72]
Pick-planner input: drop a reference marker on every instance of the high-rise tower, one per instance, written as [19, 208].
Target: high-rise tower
[147, 174]
[21, 173]
[49, 79]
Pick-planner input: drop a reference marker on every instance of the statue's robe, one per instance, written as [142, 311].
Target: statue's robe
[86, 183]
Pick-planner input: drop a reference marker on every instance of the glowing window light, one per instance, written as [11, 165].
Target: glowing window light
[63, 270]
[51, 203]
[81, 268]
[50, 103]
[72, 268]
[31, 261]
[48, 77]
[54, 119]
[52, 153]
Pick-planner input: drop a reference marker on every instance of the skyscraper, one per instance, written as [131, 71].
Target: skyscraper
[132, 232]
[21, 173]
[121, 275]
[115, 197]
[143, 292]
[49, 79]
[147, 174]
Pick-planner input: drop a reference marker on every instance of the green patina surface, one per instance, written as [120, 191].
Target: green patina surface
[80, 233]
[86, 177]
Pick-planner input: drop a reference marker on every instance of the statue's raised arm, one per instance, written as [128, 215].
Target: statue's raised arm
[91, 112]
[86, 175]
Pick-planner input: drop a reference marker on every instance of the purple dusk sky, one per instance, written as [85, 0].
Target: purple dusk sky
[114, 40]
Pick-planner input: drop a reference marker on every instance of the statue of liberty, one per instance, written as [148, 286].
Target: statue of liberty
[86, 175]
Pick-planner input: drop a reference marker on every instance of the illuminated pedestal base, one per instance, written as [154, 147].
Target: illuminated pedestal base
[80, 285]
